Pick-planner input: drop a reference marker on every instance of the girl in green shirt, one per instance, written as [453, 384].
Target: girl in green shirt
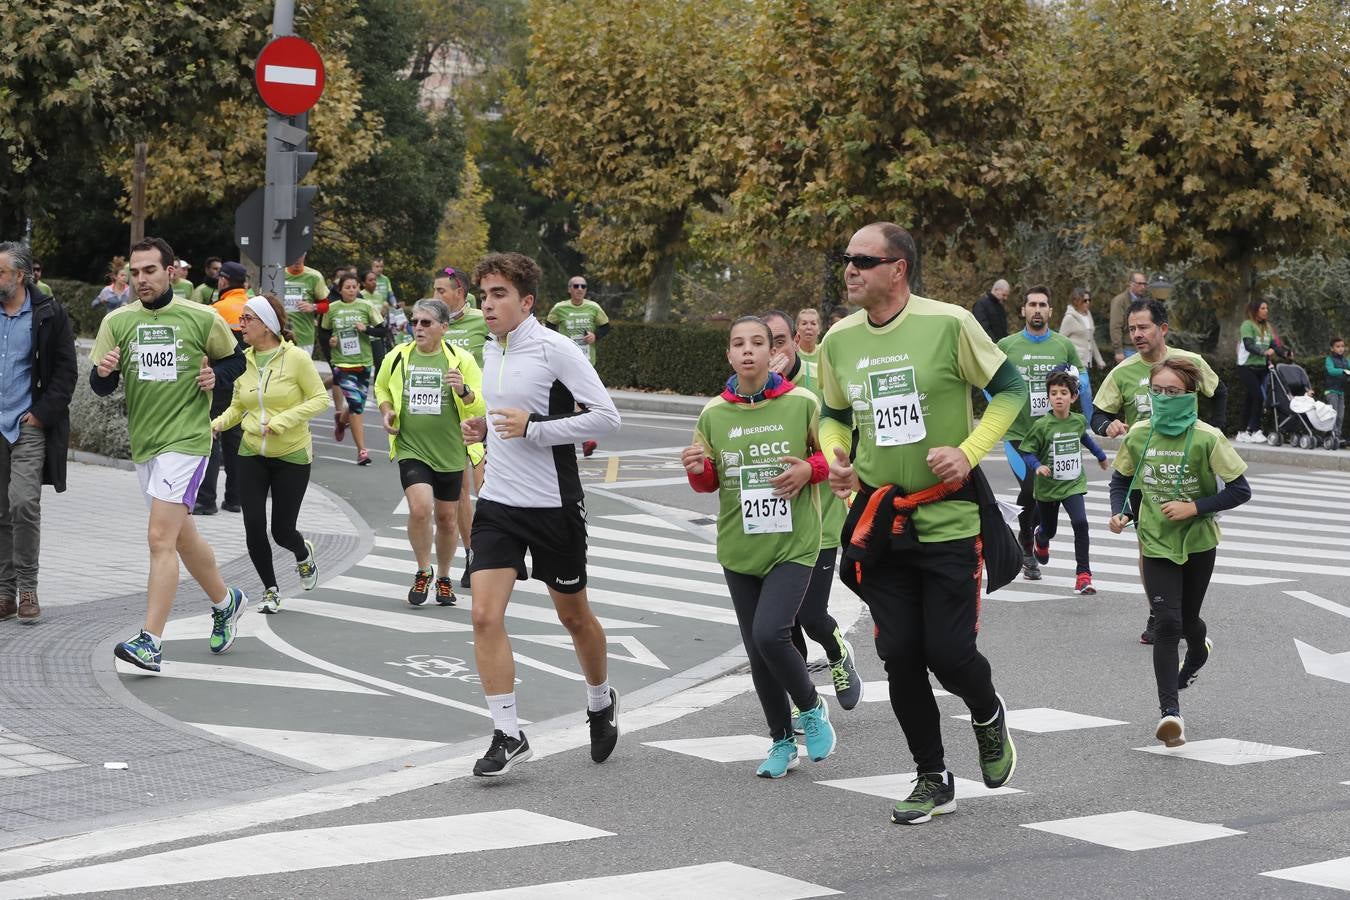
[756, 446]
[1166, 483]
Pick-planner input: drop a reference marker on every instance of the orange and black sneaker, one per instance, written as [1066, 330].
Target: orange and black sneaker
[417, 594]
[445, 591]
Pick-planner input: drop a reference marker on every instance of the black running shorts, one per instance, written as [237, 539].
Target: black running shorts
[554, 536]
[445, 486]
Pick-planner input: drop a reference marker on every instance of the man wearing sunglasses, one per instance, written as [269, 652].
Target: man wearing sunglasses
[901, 370]
[582, 320]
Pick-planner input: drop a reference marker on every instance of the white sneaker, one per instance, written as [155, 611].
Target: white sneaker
[1256, 437]
[1242, 437]
[271, 602]
[1171, 731]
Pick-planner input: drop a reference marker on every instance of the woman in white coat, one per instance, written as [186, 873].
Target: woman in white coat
[1077, 326]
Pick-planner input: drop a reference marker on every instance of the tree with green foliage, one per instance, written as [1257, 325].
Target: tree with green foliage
[1202, 133]
[620, 101]
[854, 111]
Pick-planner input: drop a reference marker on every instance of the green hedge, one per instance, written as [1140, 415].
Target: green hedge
[76, 296]
[98, 424]
[683, 359]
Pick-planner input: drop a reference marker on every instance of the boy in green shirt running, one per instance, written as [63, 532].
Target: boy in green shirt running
[1056, 437]
[1167, 483]
[166, 347]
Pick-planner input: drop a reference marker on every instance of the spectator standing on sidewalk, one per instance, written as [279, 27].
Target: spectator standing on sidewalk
[1077, 326]
[37, 379]
[1337, 368]
[989, 311]
[208, 291]
[225, 446]
[1120, 310]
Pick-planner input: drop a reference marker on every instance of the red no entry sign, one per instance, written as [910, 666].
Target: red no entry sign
[289, 75]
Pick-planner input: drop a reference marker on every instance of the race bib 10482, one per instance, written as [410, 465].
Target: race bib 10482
[156, 353]
[761, 511]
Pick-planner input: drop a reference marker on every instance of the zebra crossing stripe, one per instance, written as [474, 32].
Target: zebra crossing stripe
[711, 881]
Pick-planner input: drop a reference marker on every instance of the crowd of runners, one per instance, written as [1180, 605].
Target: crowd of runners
[852, 453]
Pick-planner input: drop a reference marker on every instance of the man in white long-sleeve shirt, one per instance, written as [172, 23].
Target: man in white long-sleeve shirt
[543, 397]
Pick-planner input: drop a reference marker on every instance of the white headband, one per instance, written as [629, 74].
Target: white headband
[264, 311]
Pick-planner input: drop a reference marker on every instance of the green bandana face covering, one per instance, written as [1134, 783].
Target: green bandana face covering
[1173, 415]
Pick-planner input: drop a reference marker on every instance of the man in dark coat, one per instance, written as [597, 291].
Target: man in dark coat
[989, 311]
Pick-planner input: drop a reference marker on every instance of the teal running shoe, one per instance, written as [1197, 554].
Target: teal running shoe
[224, 622]
[140, 652]
[781, 760]
[933, 795]
[797, 720]
[820, 739]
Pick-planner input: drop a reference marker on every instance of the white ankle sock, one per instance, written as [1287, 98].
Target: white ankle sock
[225, 602]
[503, 709]
[597, 696]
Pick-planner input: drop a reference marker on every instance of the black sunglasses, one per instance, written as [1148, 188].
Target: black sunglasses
[867, 262]
[577, 285]
[425, 323]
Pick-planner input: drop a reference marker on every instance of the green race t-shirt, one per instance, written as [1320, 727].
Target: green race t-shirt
[1124, 391]
[575, 319]
[309, 287]
[182, 289]
[1261, 337]
[353, 347]
[908, 384]
[383, 288]
[206, 294]
[1034, 361]
[809, 376]
[469, 333]
[833, 512]
[755, 530]
[428, 426]
[1057, 443]
[1170, 471]
[161, 354]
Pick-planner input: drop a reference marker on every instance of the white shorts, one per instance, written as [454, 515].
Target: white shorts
[172, 477]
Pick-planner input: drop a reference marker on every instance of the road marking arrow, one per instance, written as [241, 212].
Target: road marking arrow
[1321, 602]
[637, 651]
[1335, 666]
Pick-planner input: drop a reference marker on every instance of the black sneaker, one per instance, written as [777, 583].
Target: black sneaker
[203, 509]
[933, 795]
[604, 728]
[445, 591]
[503, 753]
[1191, 666]
[998, 755]
[1148, 636]
[1030, 570]
[417, 594]
[231, 507]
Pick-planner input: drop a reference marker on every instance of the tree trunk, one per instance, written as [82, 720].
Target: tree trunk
[916, 277]
[831, 279]
[663, 273]
[1232, 314]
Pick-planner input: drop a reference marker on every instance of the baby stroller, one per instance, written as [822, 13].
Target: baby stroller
[1298, 422]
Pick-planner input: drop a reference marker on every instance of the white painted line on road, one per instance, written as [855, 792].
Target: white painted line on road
[875, 691]
[422, 621]
[319, 748]
[1333, 873]
[311, 848]
[712, 881]
[644, 519]
[369, 589]
[1042, 720]
[1335, 666]
[341, 459]
[1008, 595]
[593, 551]
[1133, 830]
[651, 540]
[637, 651]
[642, 483]
[1288, 494]
[219, 674]
[1228, 752]
[650, 579]
[1320, 602]
[268, 637]
[723, 748]
[1060, 562]
[1268, 514]
[897, 787]
[1270, 543]
[723, 615]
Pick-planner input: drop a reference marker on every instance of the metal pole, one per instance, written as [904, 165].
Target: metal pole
[272, 277]
[138, 194]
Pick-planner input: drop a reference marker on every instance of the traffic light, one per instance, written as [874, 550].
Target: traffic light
[288, 163]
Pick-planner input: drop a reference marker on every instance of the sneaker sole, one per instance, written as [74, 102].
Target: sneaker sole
[29, 620]
[759, 773]
[1031, 576]
[268, 610]
[1170, 733]
[1085, 591]
[940, 810]
[518, 758]
[133, 659]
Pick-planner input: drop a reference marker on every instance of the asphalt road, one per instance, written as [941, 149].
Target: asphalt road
[1257, 804]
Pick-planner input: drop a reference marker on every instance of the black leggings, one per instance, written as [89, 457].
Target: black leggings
[287, 482]
[1048, 512]
[814, 617]
[1254, 383]
[925, 604]
[765, 609]
[1175, 593]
